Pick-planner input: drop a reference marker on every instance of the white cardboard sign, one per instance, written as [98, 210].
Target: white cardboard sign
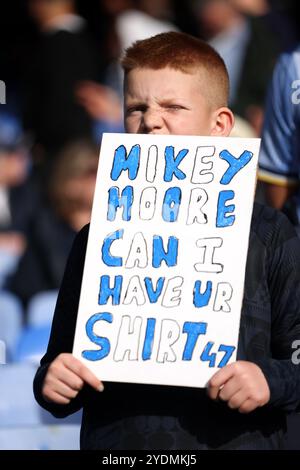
[164, 272]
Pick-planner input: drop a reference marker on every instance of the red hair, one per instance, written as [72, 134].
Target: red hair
[185, 53]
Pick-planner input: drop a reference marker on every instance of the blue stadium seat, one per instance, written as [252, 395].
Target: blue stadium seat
[47, 418]
[11, 319]
[24, 425]
[32, 344]
[17, 404]
[41, 308]
[42, 437]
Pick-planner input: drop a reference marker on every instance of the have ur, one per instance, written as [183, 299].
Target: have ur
[138, 257]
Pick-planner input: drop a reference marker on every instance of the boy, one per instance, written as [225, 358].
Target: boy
[176, 84]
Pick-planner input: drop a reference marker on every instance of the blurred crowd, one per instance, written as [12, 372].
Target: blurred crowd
[59, 61]
[59, 64]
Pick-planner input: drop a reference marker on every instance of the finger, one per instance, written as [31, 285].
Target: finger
[99, 88]
[95, 112]
[231, 387]
[248, 405]
[84, 373]
[85, 95]
[84, 84]
[91, 379]
[70, 379]
[218, 380]
[91, 90]
[237, 400]
[55, 397]
[220, 377]
[85, 99]
[55, 385]
[213, 392]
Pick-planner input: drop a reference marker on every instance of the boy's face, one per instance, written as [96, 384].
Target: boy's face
[166, 101]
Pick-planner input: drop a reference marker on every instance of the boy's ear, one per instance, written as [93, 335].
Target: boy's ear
[223, 121]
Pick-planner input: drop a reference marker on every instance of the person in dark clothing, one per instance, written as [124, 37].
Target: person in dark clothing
[18, 195]
[245, 404]
[15, 185]
[53, 229]
[64, 56]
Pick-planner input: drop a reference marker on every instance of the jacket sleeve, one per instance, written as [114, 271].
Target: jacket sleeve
[63, 325]
[282, 370]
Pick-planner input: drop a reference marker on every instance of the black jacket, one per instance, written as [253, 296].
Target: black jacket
[131, 416]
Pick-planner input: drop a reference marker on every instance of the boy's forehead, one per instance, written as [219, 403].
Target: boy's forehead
[150, 72]
[141, 83]
[165, 78]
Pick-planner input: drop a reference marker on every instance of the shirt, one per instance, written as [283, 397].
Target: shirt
[279, 159]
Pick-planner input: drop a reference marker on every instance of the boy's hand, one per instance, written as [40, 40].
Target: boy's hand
[242, 384]
[65, 378]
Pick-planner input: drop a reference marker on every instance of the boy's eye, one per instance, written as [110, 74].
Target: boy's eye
[135, 109]
[175, 107]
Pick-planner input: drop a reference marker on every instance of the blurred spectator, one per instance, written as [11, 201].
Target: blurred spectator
[183, 16]
[52, 231]
[17, 197]
[145, 18]
[242, 128]
[103, 104]
[130, 20]
[64, 56]
[227, 31]
[276, 15]
[280, 153]
[271, 32]
[246, 38]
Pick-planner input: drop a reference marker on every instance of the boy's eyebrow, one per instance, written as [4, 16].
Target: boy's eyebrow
[164, 102]
[134, 102]
[130, 100]
[172, 101]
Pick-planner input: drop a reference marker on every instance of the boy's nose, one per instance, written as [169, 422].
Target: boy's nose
[152, 121]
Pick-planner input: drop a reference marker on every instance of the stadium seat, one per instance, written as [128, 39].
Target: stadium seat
[42, 437]
[47, 418]
[11, 319]
[41, 308]
[24, 425]
[17, 404]
[32, 344]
